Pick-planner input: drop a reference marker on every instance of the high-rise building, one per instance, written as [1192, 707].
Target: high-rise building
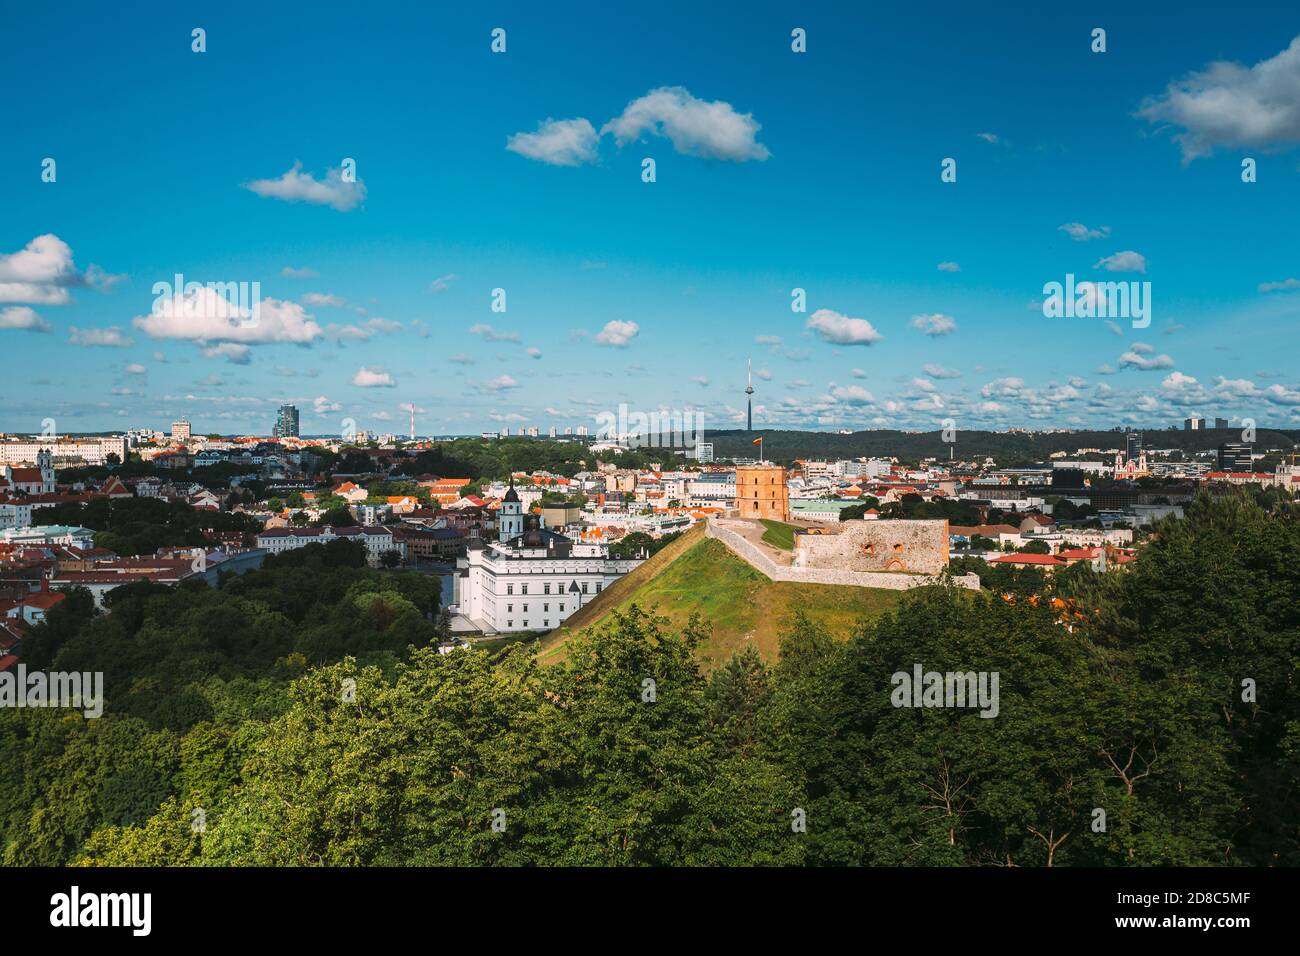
[1235, 456]
[181, 430]
[1134, 449]
[704, 452]
[1220, 423]
[286, 422]
[1193, 424]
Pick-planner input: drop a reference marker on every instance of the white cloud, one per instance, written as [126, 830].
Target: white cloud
[935, 325]
[570, 142]
[289, 272]
[1127, 261]
[205, 315]
[938, 371]
[443, 283]
[831, 326]
[42, 272]
[1228, 104]
[112, 337]
[500, 384]
[373, 376]
[1140, 357]
[324, 406]
[852, 395]
[297, 186]
[534, 352]
[617, 334]
[949, 267]
[493, 335]
[1286, 285]
[1003, 388]
[1081, 233]
[135, 368]
[318, 299]
[232, 352]
[710, 130]
[22, 317]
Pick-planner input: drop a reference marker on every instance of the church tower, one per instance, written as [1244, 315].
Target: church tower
[510, 519]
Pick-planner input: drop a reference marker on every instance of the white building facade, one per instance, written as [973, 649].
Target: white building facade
[378, 541]
[532, 583]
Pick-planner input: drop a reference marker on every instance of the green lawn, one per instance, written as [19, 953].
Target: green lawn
[778, 534]
[741, 605]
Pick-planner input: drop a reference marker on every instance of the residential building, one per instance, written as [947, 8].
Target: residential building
[377, 541]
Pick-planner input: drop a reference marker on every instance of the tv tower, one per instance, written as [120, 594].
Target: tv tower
[412, 421]
[749, 399]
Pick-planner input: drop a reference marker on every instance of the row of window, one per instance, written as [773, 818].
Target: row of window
[510, 608]
[546, 588]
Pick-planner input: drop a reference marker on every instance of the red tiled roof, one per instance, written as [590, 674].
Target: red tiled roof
[1047, 560]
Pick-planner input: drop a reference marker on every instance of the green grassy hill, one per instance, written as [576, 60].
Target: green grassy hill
[698, 574]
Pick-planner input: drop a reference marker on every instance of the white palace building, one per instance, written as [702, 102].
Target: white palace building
[529, 580]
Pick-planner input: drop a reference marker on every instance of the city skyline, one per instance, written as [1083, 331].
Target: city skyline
[782, 179]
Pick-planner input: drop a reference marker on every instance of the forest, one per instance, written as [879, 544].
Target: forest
[302, 715]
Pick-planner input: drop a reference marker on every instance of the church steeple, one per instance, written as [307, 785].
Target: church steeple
[510, 517]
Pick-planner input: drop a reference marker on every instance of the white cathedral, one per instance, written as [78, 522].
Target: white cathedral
[530, 579]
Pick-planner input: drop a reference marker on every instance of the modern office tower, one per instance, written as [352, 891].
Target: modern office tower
[1193, 424]
[286, 422]
[1134, 449]
[1220, 423]
[1235, 456]
[181, 430]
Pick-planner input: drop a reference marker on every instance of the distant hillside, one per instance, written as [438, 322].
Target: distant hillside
[1009, 449]
[697, 574]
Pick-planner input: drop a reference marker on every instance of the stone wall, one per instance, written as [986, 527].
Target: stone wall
[717, 528]
[919, 546]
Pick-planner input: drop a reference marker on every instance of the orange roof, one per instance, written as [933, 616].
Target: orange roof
[1048, 560]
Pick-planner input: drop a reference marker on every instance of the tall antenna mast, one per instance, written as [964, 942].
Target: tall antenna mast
[749, 399]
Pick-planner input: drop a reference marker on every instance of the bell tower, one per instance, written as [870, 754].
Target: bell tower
[510, 519]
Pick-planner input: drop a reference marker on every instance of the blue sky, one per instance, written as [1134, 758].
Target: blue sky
[775, 170]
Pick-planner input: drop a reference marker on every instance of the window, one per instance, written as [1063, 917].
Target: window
[546, 589]
[546, 623]
[561, 608]
[546, 607]
[523, 589]
[510, 589]
[510, 608]
[525, 608]
[584, 587]
[598, 587]
[510, 623]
